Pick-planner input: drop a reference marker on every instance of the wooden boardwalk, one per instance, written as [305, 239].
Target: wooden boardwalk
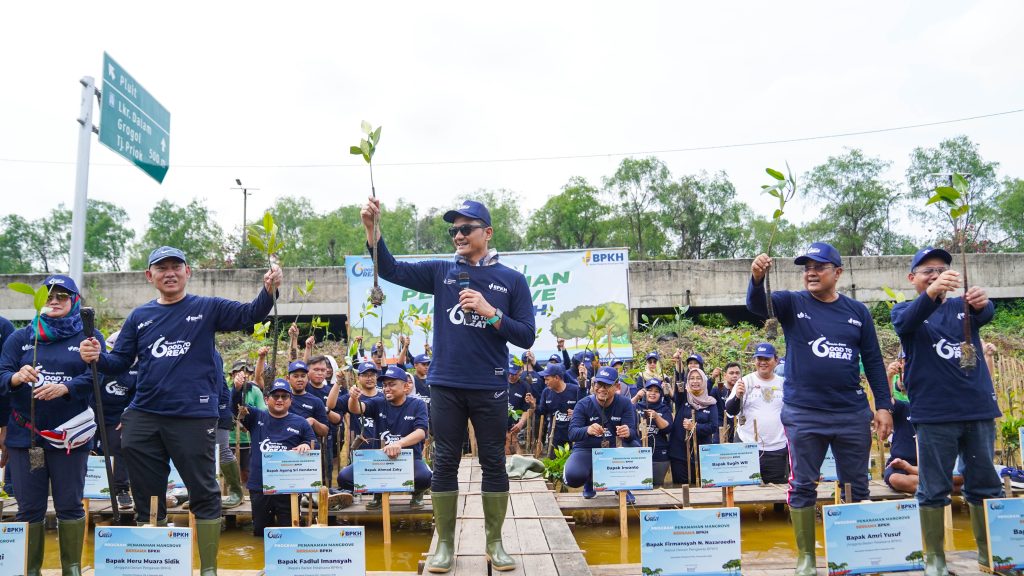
[535, 532]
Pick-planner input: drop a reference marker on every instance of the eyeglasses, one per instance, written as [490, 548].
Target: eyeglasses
[58, 296]
[931, 270]
[465, 229]
[817, 268]
[280, 397]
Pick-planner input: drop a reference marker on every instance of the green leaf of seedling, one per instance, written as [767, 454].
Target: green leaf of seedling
[268, 221]
[22, 288]
[374, 314]
[366, 127]
[775, 174]
[375, 137]
[960, 184]
[777, 214]
[948, 193]
[365, 147]
[355, 150]
[257, 242]
[42, 293]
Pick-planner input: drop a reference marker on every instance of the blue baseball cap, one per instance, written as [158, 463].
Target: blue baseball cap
[297, 365]
[556, 358]
[820, 252]
[655, 382]
[365, 367]
[393, 372]
[654, 355]
[765, 350]
[587, 356]
[421, 359]
[280, 385]
[607, 375]
[165, 252]
[929, 252]
[514, 368]
[61, 281]
[552, 369]
[469, 209]
[616, 361]
[696, 357]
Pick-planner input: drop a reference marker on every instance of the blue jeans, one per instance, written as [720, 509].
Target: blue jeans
[810, 433]
[937, 448]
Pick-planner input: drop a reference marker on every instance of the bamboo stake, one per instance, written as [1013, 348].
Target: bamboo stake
[623, 521]
[386, 510]
[322, 504]
[154, 509]
[537, 445]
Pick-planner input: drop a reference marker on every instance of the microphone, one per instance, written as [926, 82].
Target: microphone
[463, 280]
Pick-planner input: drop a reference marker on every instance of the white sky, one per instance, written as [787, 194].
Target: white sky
[253, 86]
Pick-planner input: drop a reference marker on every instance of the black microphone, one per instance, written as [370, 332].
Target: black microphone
[463, 280]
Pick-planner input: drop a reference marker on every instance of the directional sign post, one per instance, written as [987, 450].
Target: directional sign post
[133, 123]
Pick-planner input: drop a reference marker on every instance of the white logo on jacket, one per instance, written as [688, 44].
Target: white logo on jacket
[946, 350]
[498, 288]
[163, 348]
[822, 348]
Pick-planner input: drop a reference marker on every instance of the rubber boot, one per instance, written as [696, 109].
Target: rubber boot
[233, 480]
[588, 490]
[980, 537]
[445, 506]
[36, 543]
[208, 540]
[495, 506]
[376, 503]
[803, 529]
[416, 502]
[70, 536]
[933, 530]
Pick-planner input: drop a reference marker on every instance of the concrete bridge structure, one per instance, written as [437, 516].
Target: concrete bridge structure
[655, 286]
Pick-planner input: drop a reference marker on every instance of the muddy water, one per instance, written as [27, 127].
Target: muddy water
[765, 534]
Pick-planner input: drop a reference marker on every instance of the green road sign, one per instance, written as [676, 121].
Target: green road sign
[133, 123]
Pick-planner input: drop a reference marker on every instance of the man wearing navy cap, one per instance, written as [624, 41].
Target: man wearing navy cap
[305, 404]
[756, 404]
[174, 413]
[363, 430]
[953, 409]
[272, 430]
[517, 391]
[482, 306]
[421, 364]
[556, 403]
[828, 335]
[402, 422]
[602, 420]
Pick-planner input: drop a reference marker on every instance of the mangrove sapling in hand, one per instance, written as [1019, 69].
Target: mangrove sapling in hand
[367, 148]
[264, 238]
[36, 457]
[954, 197]
[784, 189]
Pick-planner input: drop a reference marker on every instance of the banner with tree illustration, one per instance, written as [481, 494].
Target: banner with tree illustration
[579, 295]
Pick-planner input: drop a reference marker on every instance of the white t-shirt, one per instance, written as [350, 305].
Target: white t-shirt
[762, 402]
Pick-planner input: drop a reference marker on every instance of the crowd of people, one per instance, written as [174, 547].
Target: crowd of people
[166, 397]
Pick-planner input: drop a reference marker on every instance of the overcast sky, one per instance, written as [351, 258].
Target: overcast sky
[273, 93]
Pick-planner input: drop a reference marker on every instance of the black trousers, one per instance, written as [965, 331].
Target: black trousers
[450, 408]
[63, 476]
[775, 466]
[150, 441]
[269, 511]
[114, 450]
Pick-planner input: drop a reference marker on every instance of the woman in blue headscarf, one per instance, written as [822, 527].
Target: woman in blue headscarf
[49, 388]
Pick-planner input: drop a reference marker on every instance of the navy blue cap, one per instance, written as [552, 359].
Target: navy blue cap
[929, 252]
[697, 357]
[587, 356]
[820, 252]
[61, 281]
[615, 361]
[607, 375]
[280, 385]
[165, 252]
[469, 209]
[297, 365]
[365, 367]
[393, 372]
[552, 369]
[514, 368]
[556, 358]
[421, 359]
[765, 350]
[655, 382]
[654, 355]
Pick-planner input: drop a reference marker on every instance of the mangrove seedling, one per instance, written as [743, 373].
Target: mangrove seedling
[784, 189]
[36, 457]
[264, 238]
[954, 197]
[367, 148]
[304, 291]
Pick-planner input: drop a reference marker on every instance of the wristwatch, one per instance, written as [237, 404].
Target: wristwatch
[494, 319]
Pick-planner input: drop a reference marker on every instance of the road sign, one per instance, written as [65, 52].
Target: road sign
[132, 123]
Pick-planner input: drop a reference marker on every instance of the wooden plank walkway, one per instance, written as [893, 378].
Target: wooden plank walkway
[535, 533]
[962, 563]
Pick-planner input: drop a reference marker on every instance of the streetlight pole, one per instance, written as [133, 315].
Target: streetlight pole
[245, 201]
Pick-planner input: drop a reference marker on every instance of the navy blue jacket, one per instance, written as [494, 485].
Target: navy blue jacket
[588, 411]
[270, 434]
[307, 405]
[707, 427]
[657, 438]
[6, 329]
[468, 353]
[903, 444]
[395, 422]
[556, 407]
[361, 425]
[174, 343]
[118, 392]
[938, 389]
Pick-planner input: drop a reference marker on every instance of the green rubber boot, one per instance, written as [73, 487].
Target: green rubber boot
[208, 540]
[233, 479]
[933, 530]
[70, 536]
[980, 536]
[495, 506]
[445, 507]
[416, 502]
[803, 529]
[36, 543]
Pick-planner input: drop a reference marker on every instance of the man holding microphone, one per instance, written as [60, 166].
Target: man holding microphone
[481, 306]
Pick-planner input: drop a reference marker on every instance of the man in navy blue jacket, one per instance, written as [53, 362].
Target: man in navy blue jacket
[827, 335]
[953, 410]
[174, 413]
[481, 306]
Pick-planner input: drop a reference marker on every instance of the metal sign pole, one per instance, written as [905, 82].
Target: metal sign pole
[85, 131]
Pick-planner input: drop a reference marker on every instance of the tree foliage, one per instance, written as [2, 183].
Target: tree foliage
[191, 228]
[637, 184]
[574, 218]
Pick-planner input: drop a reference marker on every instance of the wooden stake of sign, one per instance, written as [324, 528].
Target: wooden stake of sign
[539, 443]
[1007, 485]
[309, 512]
[322, 504]
[153, 510]
[686, 495]
[838, 493]
[728, 496]
[85, 534]
[849, 493]
[385, 507]
[472, 441]
[623, 520]
[295, 510]
[947, 524]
